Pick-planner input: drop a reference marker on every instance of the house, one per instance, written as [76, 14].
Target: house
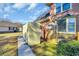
[66, 18]
[6, 26]
[66, 15]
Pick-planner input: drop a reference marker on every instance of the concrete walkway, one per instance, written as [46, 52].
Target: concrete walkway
[23, 49]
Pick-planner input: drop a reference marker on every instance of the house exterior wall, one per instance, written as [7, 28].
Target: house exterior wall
[75, 7]
[77, 27]
[77, 23]
[4, 29]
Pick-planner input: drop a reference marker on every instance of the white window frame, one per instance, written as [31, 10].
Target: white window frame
[62, 7]
[67, 27]
[74, 24]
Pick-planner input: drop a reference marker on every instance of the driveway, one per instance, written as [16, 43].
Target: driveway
[23, 49]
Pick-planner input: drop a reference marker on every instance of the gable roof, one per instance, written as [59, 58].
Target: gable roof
[9, 24]
[6, 24]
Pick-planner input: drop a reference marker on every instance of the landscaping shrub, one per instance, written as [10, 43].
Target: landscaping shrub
[68, 48]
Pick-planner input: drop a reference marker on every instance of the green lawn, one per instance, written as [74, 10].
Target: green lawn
[11, 34]
[8, 46]
[45, 48]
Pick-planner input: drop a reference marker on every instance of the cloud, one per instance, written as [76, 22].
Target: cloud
[37, 12]
[30, 11]
[5, 15]
[41, 12]
[19, 5]
[1, 10]
[8, 9]
[31, 6]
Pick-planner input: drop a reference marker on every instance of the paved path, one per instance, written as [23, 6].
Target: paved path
[23, 49]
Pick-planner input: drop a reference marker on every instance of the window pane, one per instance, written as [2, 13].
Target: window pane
[58, 5]
[71, 25]
[62, 25]
[58, 10]
[66, 6]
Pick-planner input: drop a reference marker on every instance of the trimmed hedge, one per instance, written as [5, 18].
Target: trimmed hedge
[68, 48]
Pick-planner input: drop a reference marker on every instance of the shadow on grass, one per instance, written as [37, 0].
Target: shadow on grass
[8, 46]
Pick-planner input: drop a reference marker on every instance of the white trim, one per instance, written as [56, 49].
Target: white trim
[67, 27]
[70, 5]
[74, 24]
[61, 7]
[66, 24]
[55, 9]
[67, 32]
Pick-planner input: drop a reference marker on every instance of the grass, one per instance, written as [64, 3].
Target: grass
[46, 48]
[11, 34]
[8, 46]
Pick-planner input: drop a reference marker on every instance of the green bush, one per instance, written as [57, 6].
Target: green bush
[70, 48]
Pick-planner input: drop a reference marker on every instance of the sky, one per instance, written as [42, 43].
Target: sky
[22, 12]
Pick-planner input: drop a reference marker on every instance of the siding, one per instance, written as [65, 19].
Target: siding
[4, 29]
[75, 7]
[77, 24]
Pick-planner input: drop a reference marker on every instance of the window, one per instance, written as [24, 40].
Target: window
[58, 8]
[62, 7]
[67, 25]
[58, 5]
[71, 25]
[14, 28]
[62, 25]
[66, 6]
[9, 28]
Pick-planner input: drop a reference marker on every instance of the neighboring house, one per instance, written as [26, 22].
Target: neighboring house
[19, 26]
[6, 26]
